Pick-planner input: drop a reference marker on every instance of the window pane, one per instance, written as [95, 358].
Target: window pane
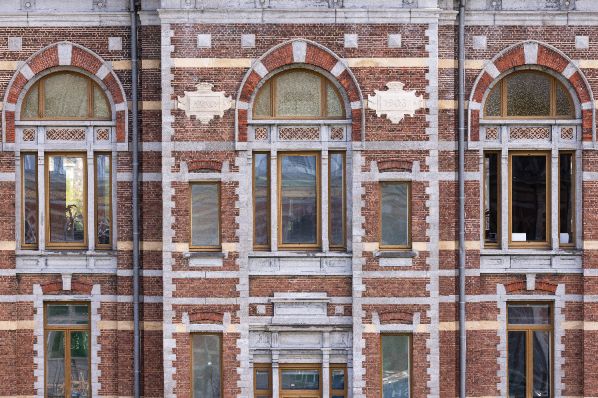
[30, 213]
[395, 366]
[528, 94]
[103, 194]
[528, 197]
[261, 198]
[566, 198]
[300, 379]
[395, 214]
[336, 205]
[101, 110]
[529, 314]
[541, 364]
[262, 104]
[491, 199]
[206, 366]
[66, 96]
[493, 102]
[337, 379]
[80, 364]
[31, 107]
[55, 350]
[66, 181]
[262, 379]
[67, 314]
[299, 199]
[563, 101]
[333, 103]
[205, 215]
[298, 94]
[517, 364]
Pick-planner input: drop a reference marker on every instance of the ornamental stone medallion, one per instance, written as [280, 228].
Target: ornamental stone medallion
[395, 102]
[204, 103]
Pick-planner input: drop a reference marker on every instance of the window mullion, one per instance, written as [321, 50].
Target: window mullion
[324, 210]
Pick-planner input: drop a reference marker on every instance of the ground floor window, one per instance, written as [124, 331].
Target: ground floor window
[300, 380]
[67, 348]
[207, 365]
[396, 365]
[530, 350]
[338, 381]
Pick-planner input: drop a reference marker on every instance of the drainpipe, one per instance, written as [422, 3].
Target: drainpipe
[461, 116]
[135, 201]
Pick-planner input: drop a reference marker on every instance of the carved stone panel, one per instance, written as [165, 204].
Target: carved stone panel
[395, 102]
[204, 103]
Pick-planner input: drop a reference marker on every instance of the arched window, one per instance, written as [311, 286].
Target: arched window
[65, 96]
[298, 94]
[529, 94]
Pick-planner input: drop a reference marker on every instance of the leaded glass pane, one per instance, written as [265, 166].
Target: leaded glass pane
[101, 109]
[31, 106]
[563, 101]
[395, 366]
[67, 314]
[206, 366]
[205, 216]
[529, 314]
[333, 103]
[517, 364]
[30, 213]
[298, 94]
[300, 379]
[493, 102]
[103, 193]
[528, 94]
[528, 198]
[395, 214]
[55, 361]
[263, 105]
[261, 197]
[336, 204]
[299, 219]
[66, 96]
[66, 182]
[80, 364]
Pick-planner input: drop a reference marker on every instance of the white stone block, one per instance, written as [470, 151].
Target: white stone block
[204, 40]
[394, 40]
[15, 43]
[480, 42]
[115, 44]
[351, 40]
[582, 42]
[248, 40]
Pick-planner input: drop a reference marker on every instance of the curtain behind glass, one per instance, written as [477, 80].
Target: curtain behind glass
[66, 96]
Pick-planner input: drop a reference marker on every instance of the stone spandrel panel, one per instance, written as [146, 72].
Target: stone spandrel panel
[204, 104]
[395, 103]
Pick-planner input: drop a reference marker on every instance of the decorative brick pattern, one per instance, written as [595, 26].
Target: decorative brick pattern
[103, 134]
[65, 134]
[261, 133]
[337, 133]
[567, 133]
[29, 134]
[299, 133]
[492, 133]
[529, 133]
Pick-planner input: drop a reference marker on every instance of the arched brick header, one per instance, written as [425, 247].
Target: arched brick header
[532, 53]
[64, 54]
[297, 52]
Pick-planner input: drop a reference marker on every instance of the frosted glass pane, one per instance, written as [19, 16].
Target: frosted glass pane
[262, 106]
[205, 215]
[66, 96]
[30, 199]
[101, 110]
[528, 94]
[493, 102]
[103, 211]
[563, 101]
[298, 94]
[333, 104]
[206, 366]
[31, 106]
[395, 213]
[395, 366]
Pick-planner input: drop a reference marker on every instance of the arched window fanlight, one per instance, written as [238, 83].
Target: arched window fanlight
[65, 96]
[529, 94]
[298, 94]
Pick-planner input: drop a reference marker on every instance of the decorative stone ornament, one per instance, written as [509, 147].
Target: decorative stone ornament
[204, 103]
[395, 102]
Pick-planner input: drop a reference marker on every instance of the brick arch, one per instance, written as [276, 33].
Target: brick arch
[532, 53]
[57, 55]
[298, 52]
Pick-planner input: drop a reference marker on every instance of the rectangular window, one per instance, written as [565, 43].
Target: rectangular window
[66, 190]
[262, 381]
[103, 201]
[336, 200]
[491, 198]
[207, 365]
[205, 216]
[338, 381]
[299, 200]
[396, 366]
[530, 350]
[29, 223]
[566, 198]
[297, 379]
[529, 199]
[395, 203]
[67, 347]
[261, 201]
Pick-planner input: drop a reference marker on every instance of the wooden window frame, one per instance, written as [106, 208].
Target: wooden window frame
[268, 205]
[410, 360]
[496, 244]
[574, 189]
[342, 246]
[409, 215]
[29, 246]
[529, 329]
[300, 393]
[205, 248]
[67, 329]
[333, 392]
[262, 367]
[220, 338]
[532, 244]
[66, 245]
[91, 87]
[108, 245]
[323, 98]
[302, 246]
[502, 86]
